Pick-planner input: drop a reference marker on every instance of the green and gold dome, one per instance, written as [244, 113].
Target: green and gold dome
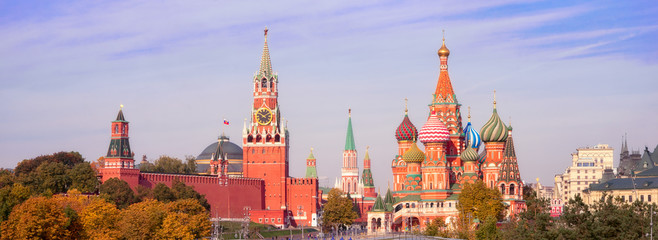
[414, 155]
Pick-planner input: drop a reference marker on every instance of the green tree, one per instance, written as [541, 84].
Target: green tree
[163, 193]
[166, 164]
[11, 196]
[190, 164]
[53, 177]
[69, 159]
[37, 218]
[83, 178]
[6, 178]
[118, 192]
[477, 201]
[182, 191]
[338, 211]
[488, 230]
[435, 228]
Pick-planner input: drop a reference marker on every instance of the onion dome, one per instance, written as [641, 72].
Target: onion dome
[469, 155]
[443, 51]
[494, 130]
[413, 155]
[434, 131]
[472, 137]
[406, 131]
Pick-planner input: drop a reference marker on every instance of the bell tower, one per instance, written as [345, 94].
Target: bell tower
[447, 108]
[119, 160]
[265, 140]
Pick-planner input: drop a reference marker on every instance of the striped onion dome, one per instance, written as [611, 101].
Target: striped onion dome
[469, 155]
[414, 155]
[406, 131]
[494, 130]
[434, 131]
[472, 137]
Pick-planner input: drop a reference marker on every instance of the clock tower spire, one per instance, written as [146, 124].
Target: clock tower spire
[265, 145]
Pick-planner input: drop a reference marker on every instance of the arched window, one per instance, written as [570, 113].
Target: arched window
[264, 83]
[502, 188]
[511, 189]
[116, 128]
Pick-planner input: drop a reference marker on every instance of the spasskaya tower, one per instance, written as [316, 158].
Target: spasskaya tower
[265, 138]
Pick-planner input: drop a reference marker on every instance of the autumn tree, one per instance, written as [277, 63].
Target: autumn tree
[338, 211]
[37, 218]
[477, 201]
[435, 228]
[99, 220]
[488, 230]
[186, 219]
[142, 220]
[118, 192]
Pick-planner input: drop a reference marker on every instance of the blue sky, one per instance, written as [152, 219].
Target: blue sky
[569, 74]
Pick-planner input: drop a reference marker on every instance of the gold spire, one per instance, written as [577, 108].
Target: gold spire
[349, 112]
[494, 99]
[443, 51]
[120, 106]
[469, 113]
[405, 107]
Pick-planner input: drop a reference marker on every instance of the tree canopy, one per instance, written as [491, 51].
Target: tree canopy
[338, 211]
[477, 201]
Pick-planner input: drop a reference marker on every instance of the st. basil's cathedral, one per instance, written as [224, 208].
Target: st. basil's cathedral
[254, 181]
[427, 184]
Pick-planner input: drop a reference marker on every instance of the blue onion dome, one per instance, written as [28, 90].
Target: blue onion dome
[414, 155]
[472, 137]
[406, 131]
[494, 130]
[469, 155]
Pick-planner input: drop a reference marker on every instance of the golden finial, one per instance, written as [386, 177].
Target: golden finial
[469, 113]
[444, 36]
[349, 112]
[443, 51]
[537, 179]
[120, 106]
[510, 121]
[367, 148]
[494, 99]
[266, 32]
[311, 150]
[405, 106]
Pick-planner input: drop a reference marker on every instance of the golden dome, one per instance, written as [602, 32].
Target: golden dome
[443, 51]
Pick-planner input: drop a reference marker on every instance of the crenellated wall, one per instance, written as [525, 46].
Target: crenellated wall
[227, 196]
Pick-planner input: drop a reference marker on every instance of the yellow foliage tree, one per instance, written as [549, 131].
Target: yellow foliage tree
[477, 201]
[186, 219]
[142, 220]
[37, 218]
[99, 220]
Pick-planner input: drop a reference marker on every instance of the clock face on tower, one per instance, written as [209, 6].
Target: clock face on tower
[263, 116]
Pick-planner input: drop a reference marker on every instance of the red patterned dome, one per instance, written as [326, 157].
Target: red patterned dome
[406, 131]
[433, 131]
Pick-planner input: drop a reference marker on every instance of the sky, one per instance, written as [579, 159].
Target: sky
[567, 74]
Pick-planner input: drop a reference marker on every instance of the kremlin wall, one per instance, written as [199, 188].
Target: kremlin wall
[255, 179]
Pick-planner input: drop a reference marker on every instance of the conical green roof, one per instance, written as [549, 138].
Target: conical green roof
[349, 139]
[379, 205]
